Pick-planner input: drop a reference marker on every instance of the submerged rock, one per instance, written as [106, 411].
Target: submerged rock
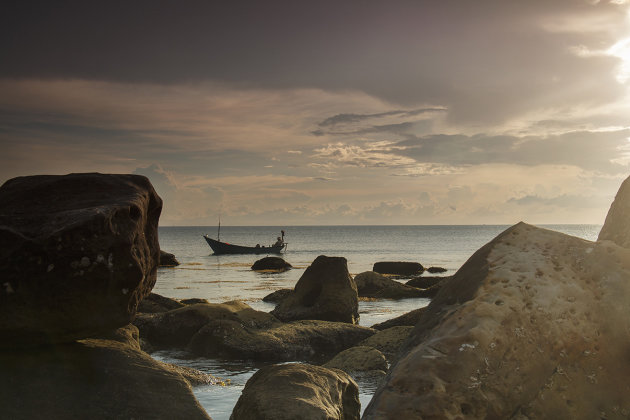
[77, 254]
[375, 285]
[298, 391]
[297, 340]
[398, 267]
[325, 291]
[532, 323]
[271, 263]
[93, 379]
[434, 270]
[167, 259]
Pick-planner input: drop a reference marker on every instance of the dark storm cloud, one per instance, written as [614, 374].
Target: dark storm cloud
[484, 60]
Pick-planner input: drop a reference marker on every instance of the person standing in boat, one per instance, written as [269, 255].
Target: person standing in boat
[280, 240]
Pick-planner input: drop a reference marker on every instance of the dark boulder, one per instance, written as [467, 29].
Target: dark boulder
[271, 263]
[77, 254]
[375, 285]
[298, 391]
[325, 291]
[93, 379]
[155, 303]
[167, 259]
[426, 282]
[435, 270]
[398, 267]
[408, 319]
[193, 301]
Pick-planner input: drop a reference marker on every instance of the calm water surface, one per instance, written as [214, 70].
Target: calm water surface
[229, 277]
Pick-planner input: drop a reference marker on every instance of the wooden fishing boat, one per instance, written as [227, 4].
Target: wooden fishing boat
[221, 248]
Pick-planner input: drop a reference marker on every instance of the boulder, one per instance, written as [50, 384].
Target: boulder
[92, 379]
[375, 285]
[532, 323]
[77, 254]
[616, 227]
[155, 303]
[277, 296]
[398, 267]
[388, 341]
[325, 291]
[434, 270]
[176, 328]
[298, 391]
[297, 340]
[272, 263]
[409, 319]
[167, 259]
[359, 359]
[193, 301]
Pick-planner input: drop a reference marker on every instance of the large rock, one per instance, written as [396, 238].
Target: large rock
[617, 225]
[298, 391]
[297, 340]
[155, 303]
[77, 254]
[388, 341]
[93, 379]
[534, 325]
[325, 291]
[398, 267]
[375, 285]
[176, 328]
[278, 296]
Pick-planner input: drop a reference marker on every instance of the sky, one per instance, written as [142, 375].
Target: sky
[326, 112]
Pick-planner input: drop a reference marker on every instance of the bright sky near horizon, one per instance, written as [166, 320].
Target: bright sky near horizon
[327, 112]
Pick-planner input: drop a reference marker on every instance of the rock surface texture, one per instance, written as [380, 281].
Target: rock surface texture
[359, 359]
[325, 291]
[534, 325]
[77, 254]
[298, 391]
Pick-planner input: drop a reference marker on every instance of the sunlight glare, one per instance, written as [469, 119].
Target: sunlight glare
[622, 50]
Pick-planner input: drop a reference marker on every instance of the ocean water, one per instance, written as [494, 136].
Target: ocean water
[229, 277]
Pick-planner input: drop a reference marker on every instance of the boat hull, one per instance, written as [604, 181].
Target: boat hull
[221, 248]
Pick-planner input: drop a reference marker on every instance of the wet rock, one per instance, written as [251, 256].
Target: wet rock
[298, 391]
[409, 319]
[325, 291]
[92, 379]
[426, 282]
[297, 340]
[272, 263]
[359, 359]
[277, 296]
[155, 303]
[375, 285]
[398, 267]
[167, 259]
[193, 301]
[77, 254]
[176, 328]
[434, 270]
[529, 325]
[388, 341]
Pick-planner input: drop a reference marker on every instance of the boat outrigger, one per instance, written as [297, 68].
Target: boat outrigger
[220, 248]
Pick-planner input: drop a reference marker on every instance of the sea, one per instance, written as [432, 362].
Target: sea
[221, 278]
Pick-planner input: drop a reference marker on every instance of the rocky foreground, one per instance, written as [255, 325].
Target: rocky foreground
[534, 325]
